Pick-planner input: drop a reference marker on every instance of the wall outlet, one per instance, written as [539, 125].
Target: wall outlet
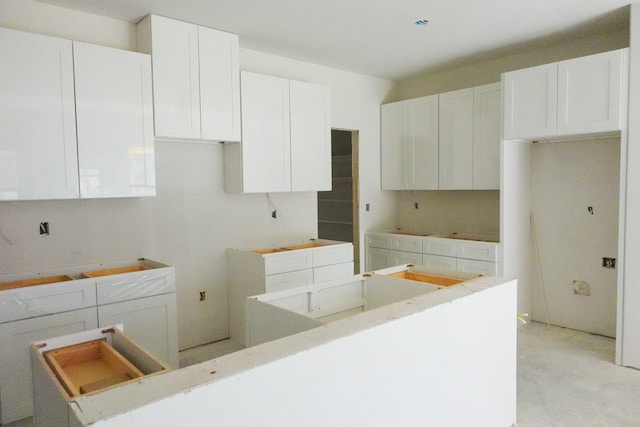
[609, 262]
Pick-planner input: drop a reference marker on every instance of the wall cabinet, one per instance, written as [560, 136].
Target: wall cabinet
[577, 96]
[114, 122]
[254, 272]
[449, 141]
[196, 81]
[93, 110]
[456, 140]
[286, 138]
[140, 295]
[409, 144]
[38, 155]
[388, 249]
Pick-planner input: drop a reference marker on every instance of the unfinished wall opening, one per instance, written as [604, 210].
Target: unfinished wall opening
[338, 209]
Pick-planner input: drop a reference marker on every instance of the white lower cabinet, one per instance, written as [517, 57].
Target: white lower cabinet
[16, 392]
[139, 295]
[150, 321]
[470, 256]
[254, 272]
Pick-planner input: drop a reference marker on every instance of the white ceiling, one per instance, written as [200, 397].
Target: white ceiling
[379, 37]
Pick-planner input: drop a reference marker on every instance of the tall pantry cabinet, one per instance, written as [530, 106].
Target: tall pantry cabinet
[196, 82]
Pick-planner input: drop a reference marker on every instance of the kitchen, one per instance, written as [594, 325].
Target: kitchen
[191, 221]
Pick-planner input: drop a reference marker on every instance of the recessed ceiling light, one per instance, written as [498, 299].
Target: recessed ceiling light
[422, 22]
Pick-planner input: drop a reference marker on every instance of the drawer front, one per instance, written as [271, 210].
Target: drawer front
[332, 255]
[482, 251]
[438, 246]
[290, 280]
[400, 257]
[407, 243]
[438, 261]
[129, 286]
[379, 240]
[34, 301]
[478, 267]
[287, 261]
[332, 272]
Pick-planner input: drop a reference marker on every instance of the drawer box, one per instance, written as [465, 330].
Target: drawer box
[35, 301]
[90, 367]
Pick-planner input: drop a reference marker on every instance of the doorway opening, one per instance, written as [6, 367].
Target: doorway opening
[338, 209]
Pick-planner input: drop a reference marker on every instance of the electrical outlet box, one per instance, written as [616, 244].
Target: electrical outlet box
[609, 262]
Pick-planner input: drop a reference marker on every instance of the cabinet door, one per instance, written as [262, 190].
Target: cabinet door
[590, 93]
[437, 261]
[289, 280]
[151, 322]
[310, 137]
[266, 147]
[456, 140]
[378, 259]
[219, 85]
[487, 114]
[478, 267]
[530, 102]
[400, 257]
[423, 163]
[38, 155]
[114, 121]
[16, 392]
[394, 146]
[176, 86]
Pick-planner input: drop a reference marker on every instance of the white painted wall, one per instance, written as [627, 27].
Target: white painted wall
[443, 359]
[629, 328]
[191, 221]
[474, 212]
[566, 179]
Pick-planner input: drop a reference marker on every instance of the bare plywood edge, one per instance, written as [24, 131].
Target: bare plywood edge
[427, 278]
[117, 270]
[34, 282]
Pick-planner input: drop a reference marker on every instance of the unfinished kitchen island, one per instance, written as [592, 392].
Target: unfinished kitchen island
[443, 358]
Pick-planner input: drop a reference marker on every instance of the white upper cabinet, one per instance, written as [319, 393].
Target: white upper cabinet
[590, 93]
[530, 102]
[195, 79]
[573, 97]
[38, 156]
[114, 122]
[456, 140]
[310, 136]
[487, 113]
[409, 144]
[286, 139]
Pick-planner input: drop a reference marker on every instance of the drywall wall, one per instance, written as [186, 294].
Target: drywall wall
[474, 212]
[191, 221]
[628, 347]
[574, 202]
[440, 359]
